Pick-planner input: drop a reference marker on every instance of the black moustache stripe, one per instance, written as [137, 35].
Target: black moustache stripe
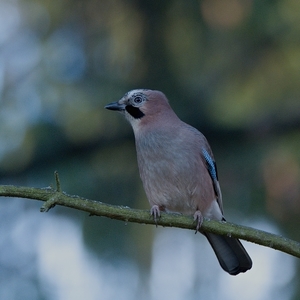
[134, 112]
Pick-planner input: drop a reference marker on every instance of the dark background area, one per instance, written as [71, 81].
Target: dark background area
[229, 68]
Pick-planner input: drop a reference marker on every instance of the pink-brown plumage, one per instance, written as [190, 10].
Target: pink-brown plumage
[178, 170]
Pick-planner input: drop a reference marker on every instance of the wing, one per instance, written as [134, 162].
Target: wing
[212, 170]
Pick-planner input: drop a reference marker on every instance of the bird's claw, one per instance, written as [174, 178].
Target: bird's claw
[155, 213]
[199, 220]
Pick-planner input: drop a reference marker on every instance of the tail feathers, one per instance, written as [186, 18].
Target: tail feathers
[231, 254]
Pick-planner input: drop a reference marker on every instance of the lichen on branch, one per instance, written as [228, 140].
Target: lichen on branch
[52, 197]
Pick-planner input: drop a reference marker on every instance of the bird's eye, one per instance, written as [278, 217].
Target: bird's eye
[138, 99]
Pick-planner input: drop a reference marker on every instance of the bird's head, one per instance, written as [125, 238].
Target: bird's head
[141, 106]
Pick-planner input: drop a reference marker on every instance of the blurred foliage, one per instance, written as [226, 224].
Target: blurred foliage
[230, 68]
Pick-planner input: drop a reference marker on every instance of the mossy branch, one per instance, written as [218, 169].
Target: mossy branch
[54, 197]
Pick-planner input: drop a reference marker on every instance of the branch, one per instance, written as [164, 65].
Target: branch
[54, 197]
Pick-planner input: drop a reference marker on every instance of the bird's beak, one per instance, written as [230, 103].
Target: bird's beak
[115, 106]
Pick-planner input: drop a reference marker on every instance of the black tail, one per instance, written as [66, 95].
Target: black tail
[231, 254]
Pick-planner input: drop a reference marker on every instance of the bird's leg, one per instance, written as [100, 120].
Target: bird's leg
[199, 219]
[155, 212]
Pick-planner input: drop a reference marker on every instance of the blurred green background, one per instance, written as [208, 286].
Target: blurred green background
[230, 68]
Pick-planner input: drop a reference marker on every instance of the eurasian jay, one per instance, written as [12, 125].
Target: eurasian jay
[178, 169]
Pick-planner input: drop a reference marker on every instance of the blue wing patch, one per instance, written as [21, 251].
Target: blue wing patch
[211, 165]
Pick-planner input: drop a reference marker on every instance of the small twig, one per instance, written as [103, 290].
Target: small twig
[57, 181]
[48, 204]
[51, 202]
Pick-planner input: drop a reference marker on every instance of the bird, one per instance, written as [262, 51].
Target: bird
[178, 170]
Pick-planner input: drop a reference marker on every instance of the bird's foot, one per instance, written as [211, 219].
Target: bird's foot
[199, 220]
[155, 213]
